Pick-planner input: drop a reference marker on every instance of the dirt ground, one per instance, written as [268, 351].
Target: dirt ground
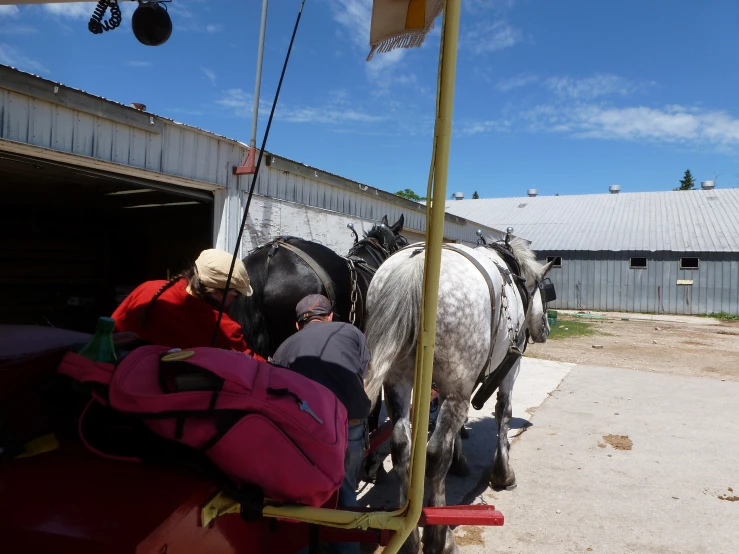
[678, 348]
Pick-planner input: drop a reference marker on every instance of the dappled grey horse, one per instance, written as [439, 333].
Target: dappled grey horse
[473, 335]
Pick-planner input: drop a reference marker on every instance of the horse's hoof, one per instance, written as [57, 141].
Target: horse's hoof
[498, 484]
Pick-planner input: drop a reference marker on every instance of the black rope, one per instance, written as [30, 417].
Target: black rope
[254, 180]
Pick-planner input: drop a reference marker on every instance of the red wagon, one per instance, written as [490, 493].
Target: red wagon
[65, 499]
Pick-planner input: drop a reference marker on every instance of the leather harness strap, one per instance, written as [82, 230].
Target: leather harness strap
[317, 269]
[491, 291]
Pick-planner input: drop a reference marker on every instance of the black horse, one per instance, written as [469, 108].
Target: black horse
[286, 269]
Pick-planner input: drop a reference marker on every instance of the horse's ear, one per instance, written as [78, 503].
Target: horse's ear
[384, 221]
[398, 225]
[547, 268]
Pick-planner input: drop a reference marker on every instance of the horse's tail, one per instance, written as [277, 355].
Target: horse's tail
[394, 316]
[248, 312]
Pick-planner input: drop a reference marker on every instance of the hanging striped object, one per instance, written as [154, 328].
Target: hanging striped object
[401, 23]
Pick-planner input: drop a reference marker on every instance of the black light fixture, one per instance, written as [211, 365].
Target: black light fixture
[151, 23]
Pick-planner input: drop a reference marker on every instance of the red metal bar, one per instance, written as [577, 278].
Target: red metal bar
[474, 514]
[249, 166]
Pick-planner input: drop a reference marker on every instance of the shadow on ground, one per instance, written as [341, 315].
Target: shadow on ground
[478, 449]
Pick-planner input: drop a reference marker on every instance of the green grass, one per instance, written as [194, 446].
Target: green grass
[722, 315]
[568, 328]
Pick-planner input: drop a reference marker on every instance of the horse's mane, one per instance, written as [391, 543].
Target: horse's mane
[530, 267]
[373, 233]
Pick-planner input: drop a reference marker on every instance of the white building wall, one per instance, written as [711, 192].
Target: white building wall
[269, 218]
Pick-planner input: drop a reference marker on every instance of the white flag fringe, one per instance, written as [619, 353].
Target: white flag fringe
[401, 23]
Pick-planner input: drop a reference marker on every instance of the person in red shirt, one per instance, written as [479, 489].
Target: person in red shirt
[183, 311]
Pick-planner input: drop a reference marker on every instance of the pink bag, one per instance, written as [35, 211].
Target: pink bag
[258, 423]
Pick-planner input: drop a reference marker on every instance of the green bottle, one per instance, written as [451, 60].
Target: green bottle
[101, 348]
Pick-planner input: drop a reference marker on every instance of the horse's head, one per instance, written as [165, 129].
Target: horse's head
[541, 289]
[536, 319]
[388, 236]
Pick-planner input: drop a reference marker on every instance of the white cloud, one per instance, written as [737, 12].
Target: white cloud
[18, 30]
[72, 10]
[137, 63]
[481, 6]
[212, 28]
[589, 88]
[354, 17]
[9, 11]
[12, 57]
[673, 124]
[210, 74]
[489, 36]
[338, 110]
[519, 81]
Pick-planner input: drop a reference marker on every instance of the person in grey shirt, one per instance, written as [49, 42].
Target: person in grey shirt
[334, 354]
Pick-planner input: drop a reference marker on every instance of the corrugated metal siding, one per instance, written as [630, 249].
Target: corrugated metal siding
[177, 150]
[605, 281]
[285, 185]
[678, 221]
[111, 132]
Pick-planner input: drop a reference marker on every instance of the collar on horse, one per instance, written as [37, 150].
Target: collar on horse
[377, 251]
[505, 252]
[326, 281]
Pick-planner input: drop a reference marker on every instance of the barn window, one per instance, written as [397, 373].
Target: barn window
[638, 263]
[689, 263]
[557, 260]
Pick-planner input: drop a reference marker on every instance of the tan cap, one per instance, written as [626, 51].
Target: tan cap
[213, 266]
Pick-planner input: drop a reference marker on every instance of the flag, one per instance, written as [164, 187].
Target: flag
[401, 23]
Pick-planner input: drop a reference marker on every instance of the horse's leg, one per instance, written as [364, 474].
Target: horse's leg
[438, 539]
[503, 477]
[398, 388]
[459, 465]
[371, 465]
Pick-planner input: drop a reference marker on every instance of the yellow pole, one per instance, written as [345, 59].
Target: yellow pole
[432, 270]
[404, 520]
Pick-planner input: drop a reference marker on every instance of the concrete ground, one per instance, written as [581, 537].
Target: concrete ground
[667, 489]
[536, 380]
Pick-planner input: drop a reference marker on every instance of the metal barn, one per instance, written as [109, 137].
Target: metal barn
[653, 252]
[99, 196]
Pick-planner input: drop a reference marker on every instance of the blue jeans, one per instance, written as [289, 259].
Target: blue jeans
[356, 446]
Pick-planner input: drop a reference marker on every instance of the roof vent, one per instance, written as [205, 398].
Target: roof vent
[614, 189]
[708, 185]
[458, 195]
[138, 106]
[532, 192]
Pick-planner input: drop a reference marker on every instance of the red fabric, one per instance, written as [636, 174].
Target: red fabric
[304, 462]
[178, 319]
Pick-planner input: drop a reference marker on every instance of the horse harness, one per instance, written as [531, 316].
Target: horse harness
[511, 276]
[354, 263]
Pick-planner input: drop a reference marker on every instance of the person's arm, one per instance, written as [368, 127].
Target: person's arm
[236, 342]
[120, 314]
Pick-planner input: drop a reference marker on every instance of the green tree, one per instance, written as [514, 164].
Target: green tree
[410, 195]
[475, 196]
[687, 182]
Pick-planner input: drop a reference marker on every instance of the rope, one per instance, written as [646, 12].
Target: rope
[256, 174]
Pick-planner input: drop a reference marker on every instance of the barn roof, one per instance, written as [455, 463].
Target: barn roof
[679, 221]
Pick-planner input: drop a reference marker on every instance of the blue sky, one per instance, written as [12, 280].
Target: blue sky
[567, 96]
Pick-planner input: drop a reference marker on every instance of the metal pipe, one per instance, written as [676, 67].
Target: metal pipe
[258, 82]
[432, 271]
[403, 521]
